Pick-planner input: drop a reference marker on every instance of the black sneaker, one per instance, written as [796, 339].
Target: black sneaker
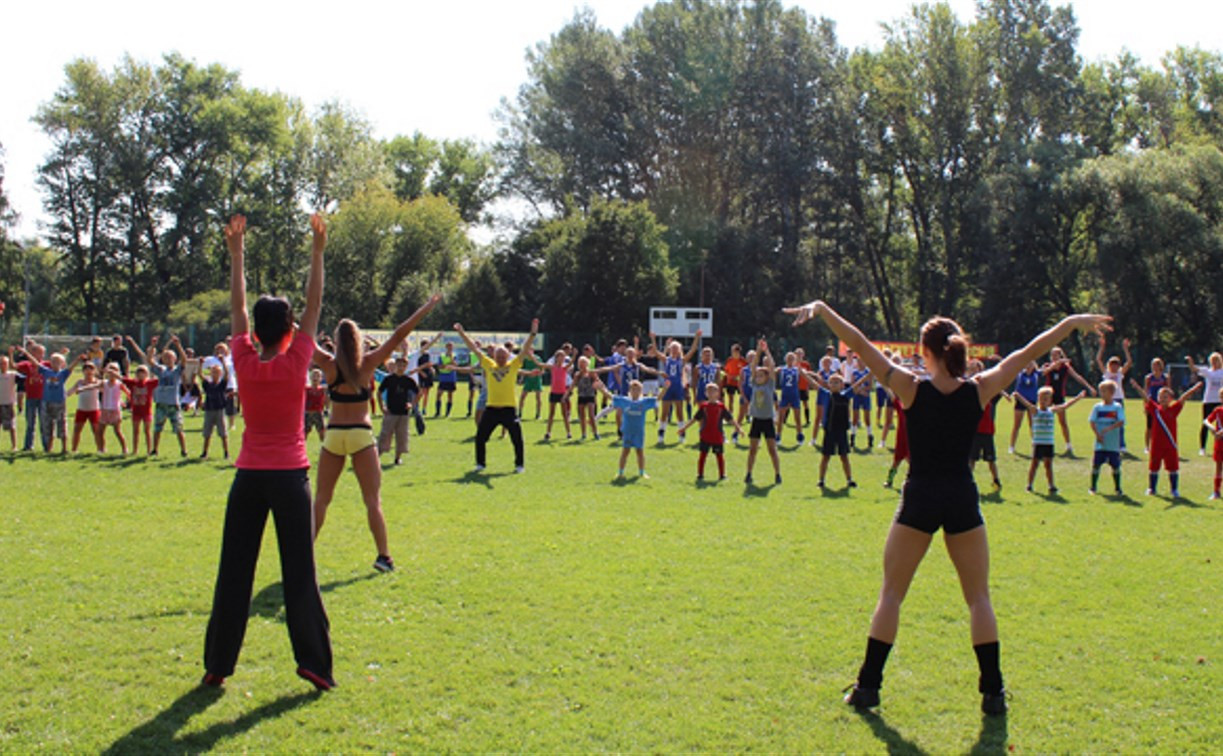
[777, 480]
[994, 704]
[747, 479]
[862, 698]
[384, 563]
[420, 426]
[852, 484]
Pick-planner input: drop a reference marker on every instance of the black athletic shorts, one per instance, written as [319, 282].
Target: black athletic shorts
[706, 448]
[983, 448]
[730, 390]
[928, 504]
[1042, 451]
[835, 444]
[446, 387]
[585, 400]
[555, 398]
[424, 380]
[762, 428]
[804, 395]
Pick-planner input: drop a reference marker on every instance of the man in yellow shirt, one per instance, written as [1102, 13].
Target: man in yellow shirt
[501, 379]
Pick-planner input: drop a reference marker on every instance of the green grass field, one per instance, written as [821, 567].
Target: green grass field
[557, 611]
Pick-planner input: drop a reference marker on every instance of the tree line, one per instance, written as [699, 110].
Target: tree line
[731, 154]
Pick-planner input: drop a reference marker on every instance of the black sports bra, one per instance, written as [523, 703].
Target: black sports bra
[336, 396]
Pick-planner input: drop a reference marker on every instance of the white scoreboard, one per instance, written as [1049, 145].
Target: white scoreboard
[681, 322]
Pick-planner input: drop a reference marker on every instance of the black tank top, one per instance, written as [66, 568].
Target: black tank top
[941, 429]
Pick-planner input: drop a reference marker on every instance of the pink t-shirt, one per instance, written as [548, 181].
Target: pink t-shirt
[273, 395]
[558, 378]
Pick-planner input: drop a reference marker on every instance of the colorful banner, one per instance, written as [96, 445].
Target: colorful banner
[450, 337]
[907, 349]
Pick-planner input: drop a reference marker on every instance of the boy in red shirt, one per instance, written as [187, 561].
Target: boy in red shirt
[1164, 449]
[140, 392]
[711, 413]
[316, 404]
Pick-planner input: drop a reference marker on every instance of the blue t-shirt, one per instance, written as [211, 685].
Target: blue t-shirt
[674, 370]
[168, 380]
[788, 378]
[613, 376]
[1104, 415]
[745, 383]
[823, 393]
[1027, 385]
[632, 424]
[53, 384]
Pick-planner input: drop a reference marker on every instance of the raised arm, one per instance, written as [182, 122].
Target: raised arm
[696, 347]
[1100, 354]
[235, 240]
[1190, 392]
[1075, 375]
[993, 381]
[1129, 361]
[471, 345]
[1024, 401]
[178, 347]
[379, 355]
[530, 342]
[314, 284]
[899, 379]
[1070, 402]
[139, 352]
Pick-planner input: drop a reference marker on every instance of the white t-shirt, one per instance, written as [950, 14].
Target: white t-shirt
[8, 387]
[87, 400]
[111, 394]
[1119, 379]
[1214, 381]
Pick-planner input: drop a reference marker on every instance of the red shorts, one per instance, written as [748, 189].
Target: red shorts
[142, 411]
[88, 416]
[902, 448]
[1218, 450]
[1167, 456]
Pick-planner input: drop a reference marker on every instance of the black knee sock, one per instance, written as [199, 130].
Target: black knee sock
[991, 673]
[871, 673]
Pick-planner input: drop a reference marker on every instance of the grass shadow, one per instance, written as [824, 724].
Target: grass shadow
[827, 492]
[993, 497]
[993, 737]
[482, 477]
[160, 734]
[268, 601]
[1181, 501]
[1125, 499]
[754, 491]
[889, 736]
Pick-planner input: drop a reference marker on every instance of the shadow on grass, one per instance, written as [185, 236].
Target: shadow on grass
[268, 602]
[484, 478]
[827, 492]
[888, 735]
[1125, 499]
[1181, 501]
[993, 737]
[993, 497]
[159, 734]
[754, 491]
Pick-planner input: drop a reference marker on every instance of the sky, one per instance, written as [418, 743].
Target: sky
[432, 66]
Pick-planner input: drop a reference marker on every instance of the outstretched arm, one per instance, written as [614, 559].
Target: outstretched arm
[178, 347]
[530, 342]
[235, 240]
[996, 379]
[900, 380]
[1024, 401]
[1070, 402]
[1192, 390]
[314, 284]
[1129, 361]
[1075, 375]
[379, 355]
[1100, 354]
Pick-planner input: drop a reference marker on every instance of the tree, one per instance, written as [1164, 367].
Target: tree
[479, 299]
[604, 268]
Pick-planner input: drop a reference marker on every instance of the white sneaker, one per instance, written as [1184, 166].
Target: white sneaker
[479, 468]
[1069, 448]
[520, 469]
[1201, 452]
[1010, 450]
[1150, 492]
[1214, 497]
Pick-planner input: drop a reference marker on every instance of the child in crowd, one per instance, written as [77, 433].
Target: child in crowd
[1115, 370]
[87, 389]
[558, 391]
[633, 409]
[733, 369]
[55, 400]
[1057, 374]
[215, 387]
[111, 416]
[169, 374]
[1027, 384]
[1164, 450]
[400, 391]
[745, 388]
[1044, 424]
[901, 452]
[858, 377]
[762, 410]
[788, 378]
[1214, 424]
[8, 400]
[983, 448]
[140, 395]
[1212, 375]
[532, 383]
[1152, 383]
[1107, 420]
[836, 422]
[711, 413]
[316, 404]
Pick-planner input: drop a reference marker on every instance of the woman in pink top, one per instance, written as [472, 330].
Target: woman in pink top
[272, 473]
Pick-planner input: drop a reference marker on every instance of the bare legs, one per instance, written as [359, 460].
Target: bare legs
[369, 477]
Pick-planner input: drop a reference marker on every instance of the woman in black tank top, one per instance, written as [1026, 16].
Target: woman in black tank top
[941, 413]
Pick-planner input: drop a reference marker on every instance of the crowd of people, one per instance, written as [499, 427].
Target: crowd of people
[286, 384]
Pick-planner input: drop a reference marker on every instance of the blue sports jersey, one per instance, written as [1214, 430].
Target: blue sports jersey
[1027, 385]
[707, 374]
[1104, 415]
[673, 369]
[1154, 384]
[858, 375]
[745, 383]
[788, 378]
[613, 376]
[632, 424]
[628, 374]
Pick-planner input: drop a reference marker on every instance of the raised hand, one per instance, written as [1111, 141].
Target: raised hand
[318, 227]
[535, 326]
[1100, 324]
[235, 233]
[457, 328]
[803, 313]
[1126, 343]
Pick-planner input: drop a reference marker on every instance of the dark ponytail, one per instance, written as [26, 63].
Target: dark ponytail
[273, 321]
[943, 340]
